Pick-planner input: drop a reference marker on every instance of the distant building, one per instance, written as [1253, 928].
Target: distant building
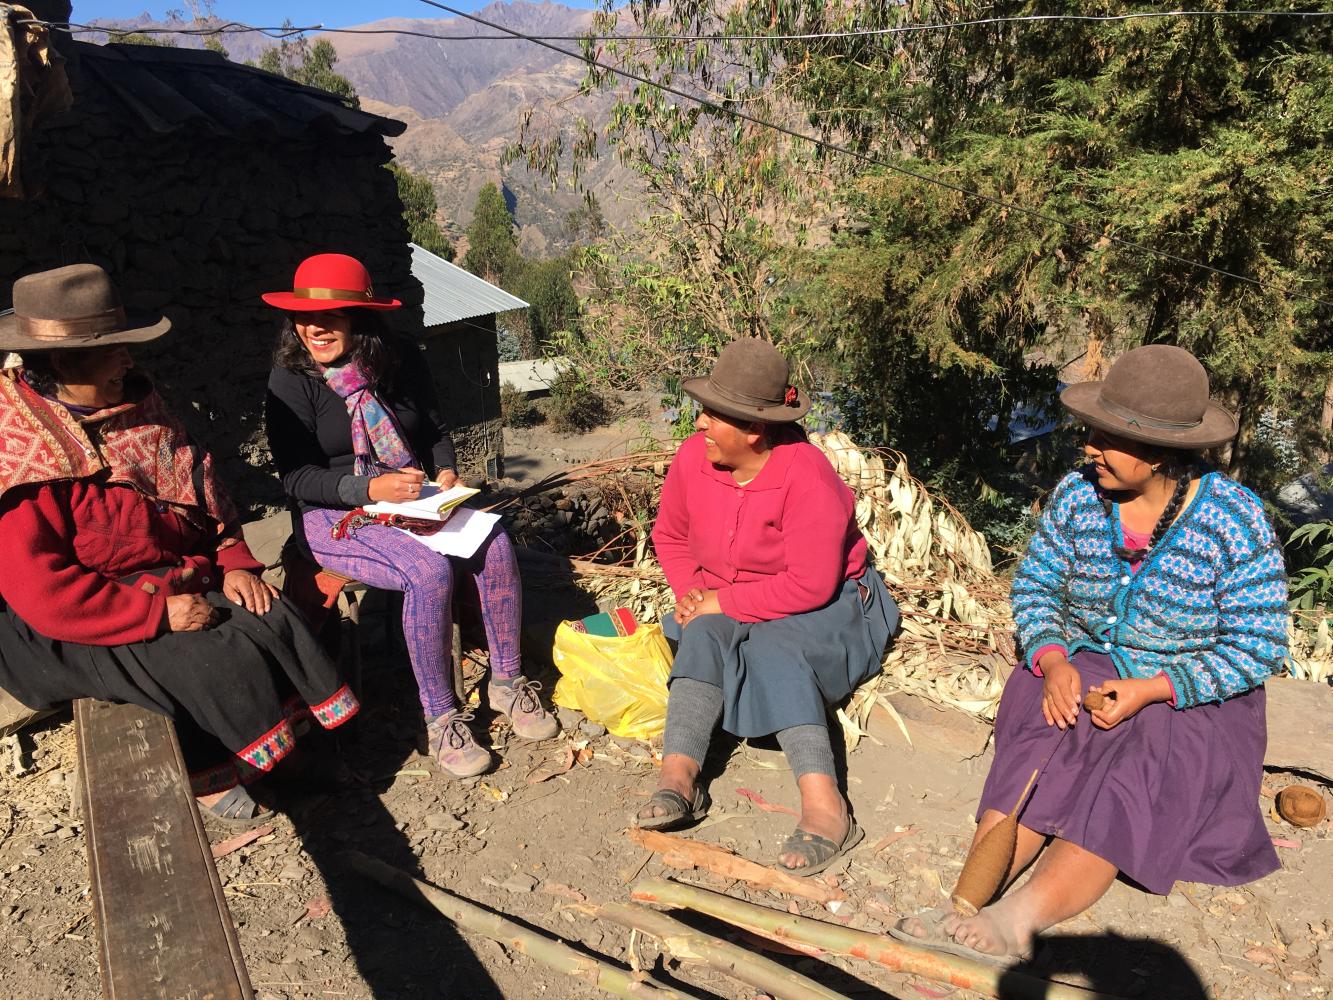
[200, 183]
[459, 338]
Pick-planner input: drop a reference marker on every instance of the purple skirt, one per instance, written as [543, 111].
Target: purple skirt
[1166, 796]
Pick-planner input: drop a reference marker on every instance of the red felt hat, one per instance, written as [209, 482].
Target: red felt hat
[329, 281]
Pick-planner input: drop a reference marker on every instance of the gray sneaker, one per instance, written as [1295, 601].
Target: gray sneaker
[453, 746]
[521, 705]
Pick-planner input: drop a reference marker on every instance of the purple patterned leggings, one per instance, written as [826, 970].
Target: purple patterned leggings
[386, 558]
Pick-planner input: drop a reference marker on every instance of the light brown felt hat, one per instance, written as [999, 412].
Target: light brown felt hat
[72, 307]
[1157, 394]
[749, 381]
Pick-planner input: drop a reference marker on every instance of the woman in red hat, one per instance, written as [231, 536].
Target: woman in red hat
[352, 419]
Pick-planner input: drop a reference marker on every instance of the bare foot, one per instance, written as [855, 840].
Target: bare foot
[997, 930]
[938, 924]
[823, 812]
[679, 773]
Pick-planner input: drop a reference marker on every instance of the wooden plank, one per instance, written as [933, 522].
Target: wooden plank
[163, 928]
[1299, 735]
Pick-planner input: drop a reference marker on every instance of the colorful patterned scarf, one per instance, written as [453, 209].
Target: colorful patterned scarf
[377, 441]
[139, 443]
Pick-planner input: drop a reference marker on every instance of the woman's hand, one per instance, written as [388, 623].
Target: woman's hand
[1063, 688]
[190, 613]
[446, 478]
[1126, 697]
[697, 602]
[242, 587]
[397, 487]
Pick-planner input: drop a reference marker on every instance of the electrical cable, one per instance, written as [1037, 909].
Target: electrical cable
[510, 34]
[280, 32]
[1033, 213]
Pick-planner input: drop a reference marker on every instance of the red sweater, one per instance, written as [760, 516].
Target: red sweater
[64, 545]
[781, 545]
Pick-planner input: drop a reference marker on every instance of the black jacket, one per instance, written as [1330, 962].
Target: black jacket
[310, 434]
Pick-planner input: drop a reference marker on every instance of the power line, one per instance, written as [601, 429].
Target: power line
[510, 34]
[1033, 213]
[284, 31]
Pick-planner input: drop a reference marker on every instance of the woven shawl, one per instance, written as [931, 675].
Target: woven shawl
[140, 444]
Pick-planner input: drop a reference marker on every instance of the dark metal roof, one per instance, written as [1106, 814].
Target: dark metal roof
[174, 88]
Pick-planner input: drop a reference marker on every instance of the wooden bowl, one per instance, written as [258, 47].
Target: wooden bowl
[1301, 806]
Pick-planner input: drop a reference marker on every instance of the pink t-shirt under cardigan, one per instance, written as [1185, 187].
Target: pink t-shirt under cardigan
[781, 545]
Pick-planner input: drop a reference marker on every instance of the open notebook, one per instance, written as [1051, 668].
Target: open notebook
[434, 504]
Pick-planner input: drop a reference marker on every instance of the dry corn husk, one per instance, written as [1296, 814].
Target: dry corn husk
[1310, 647]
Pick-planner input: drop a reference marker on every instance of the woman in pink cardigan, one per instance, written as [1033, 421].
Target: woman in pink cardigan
[778, 611]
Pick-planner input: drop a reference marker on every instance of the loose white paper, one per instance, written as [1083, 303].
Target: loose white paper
[461, 535]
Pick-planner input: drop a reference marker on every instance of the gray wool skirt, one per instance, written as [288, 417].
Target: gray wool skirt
[785, 672]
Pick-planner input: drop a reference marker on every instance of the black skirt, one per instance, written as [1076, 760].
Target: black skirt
[235, 691]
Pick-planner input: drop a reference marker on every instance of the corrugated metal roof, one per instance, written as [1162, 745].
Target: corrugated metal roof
[171, 88]
[453, 294]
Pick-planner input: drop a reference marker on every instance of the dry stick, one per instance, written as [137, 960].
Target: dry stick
[802, 932]
[688, 944]
[551, 953]
[679, 852]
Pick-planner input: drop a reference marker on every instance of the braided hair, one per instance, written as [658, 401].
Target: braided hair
[1174, 464]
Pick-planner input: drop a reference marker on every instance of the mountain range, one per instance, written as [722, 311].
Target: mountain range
[461, 98]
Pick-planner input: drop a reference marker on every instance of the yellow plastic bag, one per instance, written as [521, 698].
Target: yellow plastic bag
[619, 681]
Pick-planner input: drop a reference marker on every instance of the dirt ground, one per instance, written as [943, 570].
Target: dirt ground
[547, 852]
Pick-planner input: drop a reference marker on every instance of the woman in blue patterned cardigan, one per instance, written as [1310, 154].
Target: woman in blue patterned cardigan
[1160, 585]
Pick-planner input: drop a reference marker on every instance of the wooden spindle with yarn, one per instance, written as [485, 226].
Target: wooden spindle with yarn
[1094, 700]
[989, 862]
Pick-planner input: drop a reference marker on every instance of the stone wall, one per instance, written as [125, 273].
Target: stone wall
[197, 223]
[464, 359]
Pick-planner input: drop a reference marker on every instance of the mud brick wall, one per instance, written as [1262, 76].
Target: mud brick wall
[196, 225]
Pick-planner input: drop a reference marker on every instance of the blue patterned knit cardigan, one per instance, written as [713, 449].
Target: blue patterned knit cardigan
[1207, 607]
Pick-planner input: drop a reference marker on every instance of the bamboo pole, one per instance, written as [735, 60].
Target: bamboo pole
[554, 954]
[896, 955]
[687, 944]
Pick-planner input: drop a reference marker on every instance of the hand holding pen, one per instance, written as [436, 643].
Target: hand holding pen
[396, 485]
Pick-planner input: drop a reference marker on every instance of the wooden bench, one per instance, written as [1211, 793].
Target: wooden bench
[163, 928]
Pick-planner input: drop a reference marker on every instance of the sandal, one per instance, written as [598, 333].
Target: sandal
[936, 939]
[819, 852]
[680, 810]
[237, 808]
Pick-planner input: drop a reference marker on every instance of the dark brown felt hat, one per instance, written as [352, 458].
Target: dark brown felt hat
[71, 307]
[749, 381]
[1157, 394]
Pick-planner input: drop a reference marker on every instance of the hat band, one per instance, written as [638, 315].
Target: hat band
[743, 398]
[1139, 420]
[79, 328]
[365, 295]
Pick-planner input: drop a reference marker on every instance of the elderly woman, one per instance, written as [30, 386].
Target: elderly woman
[352, 418]
[1158, 584]
[126, 577]
[779, 612]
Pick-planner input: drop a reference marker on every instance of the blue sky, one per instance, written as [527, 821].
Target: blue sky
[332, 13]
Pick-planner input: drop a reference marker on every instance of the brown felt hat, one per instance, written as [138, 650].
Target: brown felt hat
[1157, 394]
[749, 382]
[71, 307]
